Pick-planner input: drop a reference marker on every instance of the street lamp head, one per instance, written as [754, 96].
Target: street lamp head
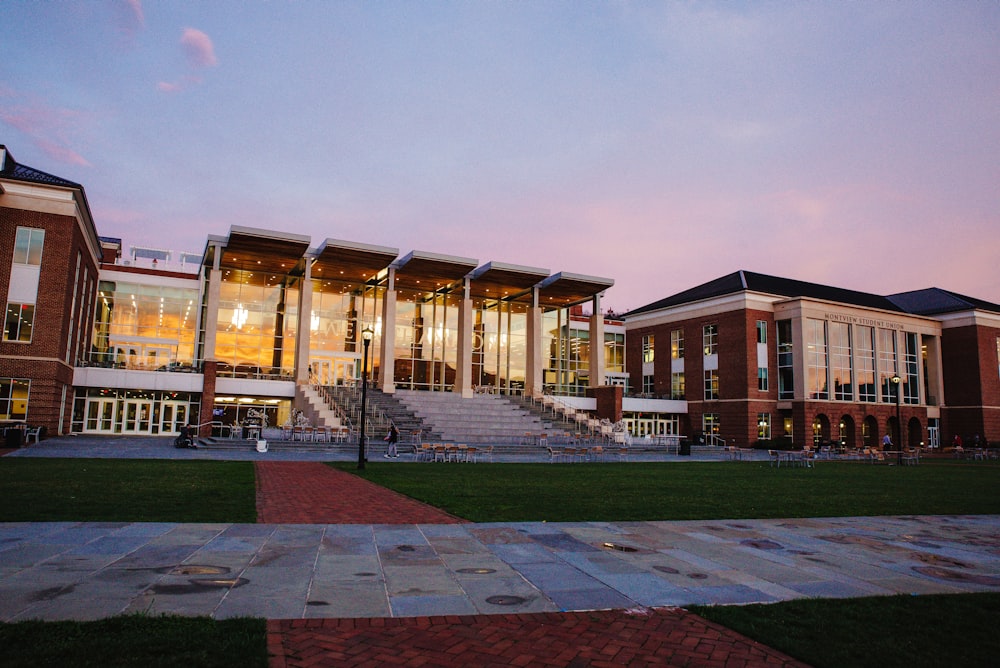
[895, 380]
[367, 333]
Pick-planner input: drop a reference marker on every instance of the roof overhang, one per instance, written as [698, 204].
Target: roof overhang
[565, 289]
[350, 262]
[495, 280]
[259, 257]
[427, 272]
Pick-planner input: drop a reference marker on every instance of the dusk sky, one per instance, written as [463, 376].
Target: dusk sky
[660, 144]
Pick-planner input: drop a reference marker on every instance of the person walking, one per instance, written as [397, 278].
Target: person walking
[392, 437]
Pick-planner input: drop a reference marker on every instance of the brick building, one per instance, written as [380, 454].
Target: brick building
[755, 357]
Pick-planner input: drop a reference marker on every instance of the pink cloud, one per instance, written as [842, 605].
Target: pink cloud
[179, 85]
[47, 127]
[130, 17]
[198, 47]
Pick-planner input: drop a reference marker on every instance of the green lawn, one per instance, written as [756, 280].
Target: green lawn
[130, 490]
[885, 632]
[686, 491]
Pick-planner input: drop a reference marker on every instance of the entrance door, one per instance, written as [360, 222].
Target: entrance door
[173, 416]
[138, 416]
[101, 416]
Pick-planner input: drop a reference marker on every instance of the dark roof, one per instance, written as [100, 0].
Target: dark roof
[748, 281]
[12, 169]
[934, 301]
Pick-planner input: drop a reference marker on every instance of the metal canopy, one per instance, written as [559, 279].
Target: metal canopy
[351, 262]
[565, 289]
[261, 257]
[427, 272]
[495, 280]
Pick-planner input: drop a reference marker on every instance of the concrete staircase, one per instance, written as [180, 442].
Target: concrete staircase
[483, 419]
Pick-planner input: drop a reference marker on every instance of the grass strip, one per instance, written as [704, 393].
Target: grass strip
[690, 490]
[137, 641]
[877, 632]
[133, 490]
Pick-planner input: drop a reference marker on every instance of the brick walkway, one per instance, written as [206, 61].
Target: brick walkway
[314, 493]
[665, 636]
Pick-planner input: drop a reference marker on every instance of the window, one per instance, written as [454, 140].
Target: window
[677, 345]
[677, 386]
[711, 384]
[816, 359]
[764, 426]
[762, 379]
[28, 246]
[864, 358]
[911, 356]
[17, 325]
[647, 348]
[786, 373]
[14, 398]
[710, 426]
[761, 331]
[648, 384]
[998, 354]
[840, 361]
[887, 363]
[710, 339]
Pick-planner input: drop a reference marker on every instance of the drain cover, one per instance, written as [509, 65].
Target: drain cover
[192, 569]
[620, 548]
[505, 600]
[477, 571]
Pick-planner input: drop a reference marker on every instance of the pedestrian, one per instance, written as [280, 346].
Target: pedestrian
[886, 442]
[391, 439]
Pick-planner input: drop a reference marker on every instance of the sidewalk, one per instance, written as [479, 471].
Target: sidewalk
[383, 575]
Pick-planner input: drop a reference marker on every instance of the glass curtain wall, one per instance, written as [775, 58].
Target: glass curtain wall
[255, 335]
[336, 321]
[426, 348]
[567, 367]
[144, 327]
[499, 345]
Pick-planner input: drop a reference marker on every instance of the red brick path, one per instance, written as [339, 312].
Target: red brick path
[661, 637]
[314, 493]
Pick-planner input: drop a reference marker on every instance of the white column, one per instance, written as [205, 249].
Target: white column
[534, 366]
[304, 326]
[463, 372]
[597, 365]
[387, 341]
[212, 308]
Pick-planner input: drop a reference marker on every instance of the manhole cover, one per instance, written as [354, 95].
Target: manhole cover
[666, 569]
[505, 600]
[762, 544]
[620, 547]
[477, 571]
[220, 582]
[192, 569]
[406, 548]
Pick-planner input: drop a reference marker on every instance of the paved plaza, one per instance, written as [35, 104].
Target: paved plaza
[445, 567]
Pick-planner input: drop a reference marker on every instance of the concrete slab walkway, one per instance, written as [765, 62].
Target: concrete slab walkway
[435, 591]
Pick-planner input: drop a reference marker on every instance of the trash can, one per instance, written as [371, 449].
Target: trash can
[261, 446]
[13, 437]
[685, 448]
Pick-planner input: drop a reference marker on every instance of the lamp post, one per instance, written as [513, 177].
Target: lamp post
[366, 337]
[899, 425]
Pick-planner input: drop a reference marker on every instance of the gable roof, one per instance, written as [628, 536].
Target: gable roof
[935, 301]
[748, 281]
[12, 169]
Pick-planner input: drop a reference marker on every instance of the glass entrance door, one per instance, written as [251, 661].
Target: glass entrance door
[101, 416]
[173, 416]
[138, 416]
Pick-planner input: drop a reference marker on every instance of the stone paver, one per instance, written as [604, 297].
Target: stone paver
[383, 579]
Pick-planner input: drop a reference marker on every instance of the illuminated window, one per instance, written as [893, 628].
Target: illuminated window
[711, 384]
[647, 348]
[710, 339]
[677, 344]
[763, 426]
[677, 386]
[18, 323]
[14, 398]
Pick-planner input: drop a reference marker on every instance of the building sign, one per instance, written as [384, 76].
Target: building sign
[867, 322]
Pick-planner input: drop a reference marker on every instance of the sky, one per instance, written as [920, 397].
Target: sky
[660, 144]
